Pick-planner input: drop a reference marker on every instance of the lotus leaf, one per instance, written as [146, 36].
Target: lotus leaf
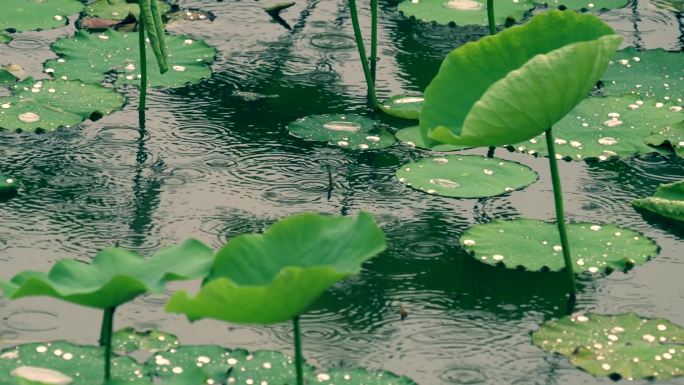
[672, 135]
[128, 340]
[89, 57]
[5, 38]
[403, 106]
[118, 9]
[51, 104]
[30, 15]
[8, 185]
[412, 137]
[620, 346]
[514, 85]
[586, 5]
[114, 277]
[464, 12]
[605, 127]
[668, 201]
[7, 78]
[535, 246]
[274, 277]
[342, 130]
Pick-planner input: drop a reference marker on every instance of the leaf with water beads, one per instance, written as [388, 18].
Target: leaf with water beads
[606, 127]
[618, 346]
[535, 246]
[464, 12]
[118, 9]
[671, 136]
[129, 340]
[585, 5]
[412, 137]
[346, 131]
[31, 15]
[465, 176]
[403, 106]
[668, 201]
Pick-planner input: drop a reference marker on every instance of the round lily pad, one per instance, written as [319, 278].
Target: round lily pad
[412, 137]
[8, 185]
[129, 340]
[605, 127]
[586, 5]
[118, 9]
[89, 57]
[668, 201]
[466, 176]
[671, 135]
[464, 12]
[618, 346]
[50, 104]
[30, 15]
[535, 246]
[343, 130]
[403, 106]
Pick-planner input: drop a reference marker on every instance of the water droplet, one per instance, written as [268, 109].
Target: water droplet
[342, 126]
[343, 143]
[347, 377]
[431, 191]
[575, 144]
[41, 349]
[607, 141]
[593, 270]
[103, 37]
[374, 138]
[613, 115]
[560, 141]
[612, 337]
[659, 105]
[595, 227]
[580, 262]
[498, 257]
[624, 62]
[267, 365]
[488, 172]
[29, 117]
[605, 367]
[582, 318]
[614, 122]
[178, 68]
[177, 370]
[441, 160]
[59, 17]
[67, 356]
[323, 377]
[232, 361]
[203, 359]
[557, 248]
[667, 356]
[648, 337]
[446, 183]
[12, 355]
[633, 106]
[464, 5]
[469, 242]
[187, 42]
[41, 375]
[363, 146]
[675, 108]
[409, 99]
[662, 327]
[6, 105]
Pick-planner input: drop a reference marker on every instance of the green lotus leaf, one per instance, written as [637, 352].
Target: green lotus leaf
[620, 346]
[8, 185]
[605, 127]
[89, 57]
[586, 5]
[82, 363]
[464, 12]
[647, 74]
[5, 38]
[668, 201]
[129, 340]
[51, 104]
[342, 130]
[671, 135]
[7, 78]
[276, 276]
[466, 176]
[403, 106]
[118, 9]
[512, 86]
[114, 277]
[535, 246]
[412, 137]
[31, 15]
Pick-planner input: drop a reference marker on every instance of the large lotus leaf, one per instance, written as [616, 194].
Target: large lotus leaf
[671, 135]
[342, 130]
[513, 86]
[403, 106]
[652, 73]
[29, 15]
[586, 5]
[276, 276]
[8, 185]
[466, 176]
[51, 104]
[668, 201]
[129, 340]
[620, 346]
[89, 57]
[464, 12]
[535, 246]
[82, 363]
[118, 9]
[114, 277]
[605, 127]
[412, 137]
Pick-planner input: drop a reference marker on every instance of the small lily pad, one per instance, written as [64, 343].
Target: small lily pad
[30, 15]
[605, 127]
[5, 38]
[119, 9]
[464, 12]
[586, 5]
[671, 135]
[668, 201]
[51, 104]
[89, 57]
[618, 346]
[129, 340]
[412, 137]
[343, 130]
[535, 246]
[8, 185]
[466, 176]
[403, 106]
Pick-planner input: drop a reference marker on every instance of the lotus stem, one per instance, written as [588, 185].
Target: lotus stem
[143, 65]
[299, 359]
[560, 215]
[490, 17]
[106, 340]
[374, 40]
[372, 97]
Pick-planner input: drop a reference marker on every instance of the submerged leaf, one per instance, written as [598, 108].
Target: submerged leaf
[347, 131]
[464, 12]
[412, 137]
[668, 201]
[30, 15]
[403, 106]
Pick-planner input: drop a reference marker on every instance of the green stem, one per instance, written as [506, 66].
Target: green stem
[560, 215]
[143, 65]
[106, 340]
[372, 98]
[299, 359]
[490, 17]
[374, 40]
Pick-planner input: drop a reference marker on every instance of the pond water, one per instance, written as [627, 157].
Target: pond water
[216, 160]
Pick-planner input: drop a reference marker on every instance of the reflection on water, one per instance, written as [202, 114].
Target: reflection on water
[215, 160]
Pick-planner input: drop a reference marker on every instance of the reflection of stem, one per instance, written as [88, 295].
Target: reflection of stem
[298, 351]
[143, 65]
[560, 215]
[106, 339]
[490, 17]
[374, 39]
[330, 181]
[372, 98]
[490, 152]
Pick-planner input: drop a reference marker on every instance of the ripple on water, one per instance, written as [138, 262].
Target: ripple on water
[25, 43]
[332, 41]
[31, 320]
[463, 375]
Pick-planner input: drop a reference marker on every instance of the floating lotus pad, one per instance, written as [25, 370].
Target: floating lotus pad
[89, 57]
[535, 246]
[620, 346]
[5, 38]
[605, 127]
[30, 15]
[343, 130]
[668, 201]
[403, 106]
[8, 185]
[466, 176]
[118, 9]
[671, 135]
[51, 104]
[412, 137]
[276, 276]
[586, 5]
[464, 12]
[515, 85]
[115, 276]
[129, 340]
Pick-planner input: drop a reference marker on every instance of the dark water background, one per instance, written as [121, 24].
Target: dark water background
[217, 161]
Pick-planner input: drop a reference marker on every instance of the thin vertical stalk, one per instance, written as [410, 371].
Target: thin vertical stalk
[490, 17]
[374, 40]
[106, 340]
[372, 98]
[560, 215]
[143, 64]
[299, 359]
